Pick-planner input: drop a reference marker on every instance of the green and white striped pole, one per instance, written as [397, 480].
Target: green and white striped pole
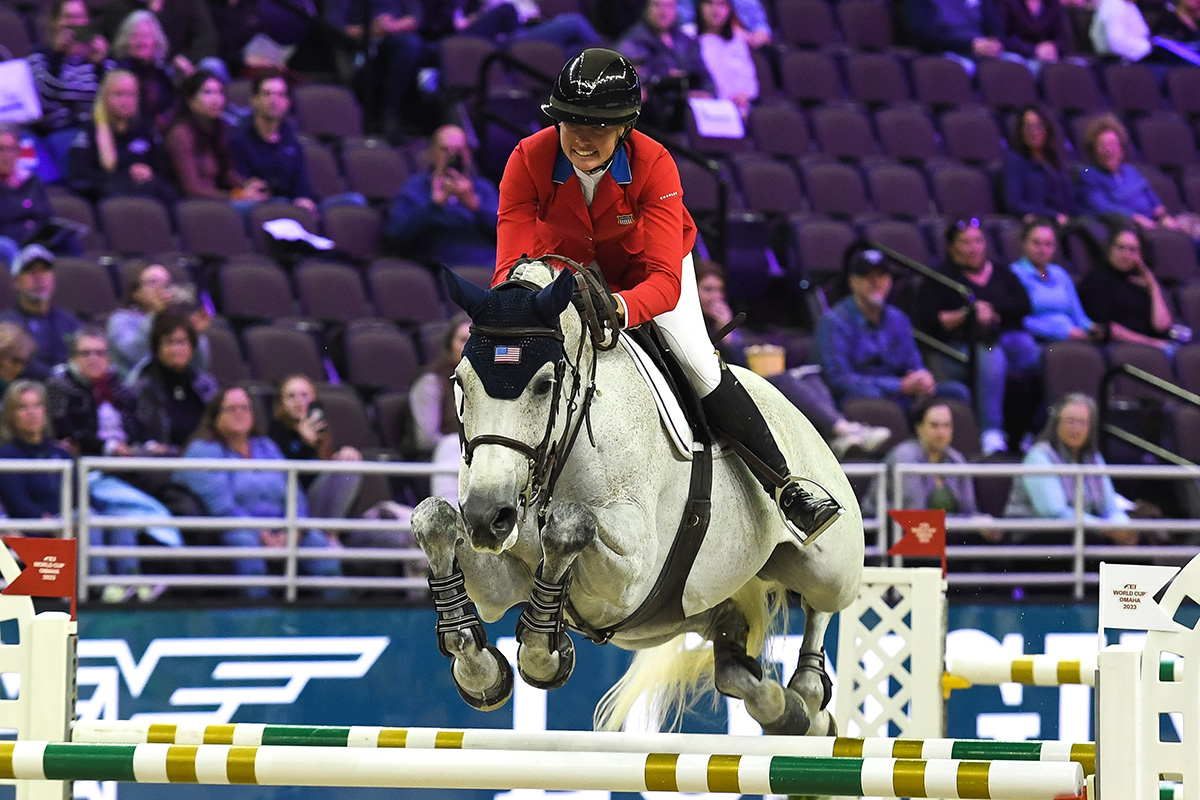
[244, 733]
[509, 769]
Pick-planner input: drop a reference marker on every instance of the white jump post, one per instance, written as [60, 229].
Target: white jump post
[45, 659]
[899, 614]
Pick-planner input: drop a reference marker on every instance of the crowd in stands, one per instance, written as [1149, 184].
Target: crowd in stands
[1058, 203]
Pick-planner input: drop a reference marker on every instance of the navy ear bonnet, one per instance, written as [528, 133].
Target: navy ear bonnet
[507, 363]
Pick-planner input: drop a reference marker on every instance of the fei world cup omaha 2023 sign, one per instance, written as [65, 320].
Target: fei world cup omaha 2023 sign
[373, 666]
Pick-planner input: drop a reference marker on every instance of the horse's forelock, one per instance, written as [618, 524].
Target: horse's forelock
[539, 273]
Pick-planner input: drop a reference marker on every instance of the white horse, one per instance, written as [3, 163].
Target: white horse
[616, 487]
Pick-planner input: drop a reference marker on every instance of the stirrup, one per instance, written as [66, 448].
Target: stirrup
[802, 536]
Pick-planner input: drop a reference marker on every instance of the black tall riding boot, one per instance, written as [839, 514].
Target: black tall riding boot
[732, 412]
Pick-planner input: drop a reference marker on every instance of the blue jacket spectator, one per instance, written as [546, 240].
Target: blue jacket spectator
[24, 204]
[973, 29]
[226, 432]
[33, 279]
[1035, 181]
[1056, 313]
[265, 144]
[25, 428]
[448, 212]
[1110, 185]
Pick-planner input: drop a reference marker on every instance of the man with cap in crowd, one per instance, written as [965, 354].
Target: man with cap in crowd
[33, 279]
[867, 347]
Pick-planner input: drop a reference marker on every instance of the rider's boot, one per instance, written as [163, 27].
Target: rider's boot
[731, 411]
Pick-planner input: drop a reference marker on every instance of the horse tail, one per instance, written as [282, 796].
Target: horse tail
[672, 675]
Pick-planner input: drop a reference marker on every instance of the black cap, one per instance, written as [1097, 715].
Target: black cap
[868, 261]
[598, 87]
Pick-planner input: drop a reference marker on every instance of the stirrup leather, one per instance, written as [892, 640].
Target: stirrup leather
[805, 537]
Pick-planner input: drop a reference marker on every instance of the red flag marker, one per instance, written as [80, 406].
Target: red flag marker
[924, 534]
[49, 568]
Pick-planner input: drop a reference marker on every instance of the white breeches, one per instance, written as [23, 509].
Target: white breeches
[683, 327]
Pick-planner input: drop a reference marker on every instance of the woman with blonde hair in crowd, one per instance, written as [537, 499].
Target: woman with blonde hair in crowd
[119, 153]
[16, 348]
[141, 47]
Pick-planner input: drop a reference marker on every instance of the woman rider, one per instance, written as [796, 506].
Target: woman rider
[593, 189]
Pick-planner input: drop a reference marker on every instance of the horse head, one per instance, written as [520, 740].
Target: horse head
[511, 401]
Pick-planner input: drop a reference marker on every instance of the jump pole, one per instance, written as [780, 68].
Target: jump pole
[270, 765]
[1039, 670]
[244, 733]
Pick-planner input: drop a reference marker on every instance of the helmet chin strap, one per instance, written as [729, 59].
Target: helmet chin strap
[620, 141]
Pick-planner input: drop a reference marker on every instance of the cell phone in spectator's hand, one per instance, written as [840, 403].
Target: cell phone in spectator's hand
[316, 415]
[455, 162]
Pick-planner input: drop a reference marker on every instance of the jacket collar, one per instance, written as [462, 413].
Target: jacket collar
[619, 168]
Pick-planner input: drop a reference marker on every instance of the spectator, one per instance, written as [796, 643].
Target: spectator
[153, 290]
[867, 347]
[172, 391]
[434, 423]
[188, 24]
[1070, 437]
[266, 146]
[1036, 30]
[933, 423]
[1110, 184]
[24, 206]
[301, 431]
[1056, 313]
[93, 415]
[727, 55]
[119, 153]
[804, 386]
[33, 279]
[67, 74]
[226, 431]
[962, 30]
[1124, 295]
[1119, 29]
[447, 212]
[753, 24]
[668, 61]
[16, 349]
[1004, 350]
[1035, 182]
[198, 146]
[141, 47]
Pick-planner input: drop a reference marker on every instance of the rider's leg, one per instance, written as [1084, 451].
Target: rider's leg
[731, 410]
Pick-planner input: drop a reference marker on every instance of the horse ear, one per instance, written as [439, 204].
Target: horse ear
[465, 294]
[554, 299]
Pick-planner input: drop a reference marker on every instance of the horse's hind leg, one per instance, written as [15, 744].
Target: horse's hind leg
[480, 671]
[810, 681]
[546, 656]
[737, 674]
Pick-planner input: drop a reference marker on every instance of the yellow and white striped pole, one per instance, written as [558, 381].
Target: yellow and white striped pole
[1037, 670]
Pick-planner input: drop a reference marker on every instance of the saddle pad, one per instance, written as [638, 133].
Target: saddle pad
[668, 405]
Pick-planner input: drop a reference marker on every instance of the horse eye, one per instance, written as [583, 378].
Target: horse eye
[544, 386]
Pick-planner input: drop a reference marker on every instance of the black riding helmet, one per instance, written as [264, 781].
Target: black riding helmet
[599, 88]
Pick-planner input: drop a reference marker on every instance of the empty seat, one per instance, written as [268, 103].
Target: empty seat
[84, 287]
[545, 57]
[1148, 359]
[331, 292]
[941, 82]
[966, 429]
[713, 145]
[903, 237]
[211, 228]
[877, 79]
[907, 134]
[405, 292]
[1072, 366]
[1173, 255]
[806, 23]
[380, 357]
[836, 190]
[355, 230]
[820, 245]
[481, 276]
[770, 187]
[1184, 91]
[780, 131]
[226, 362]
[322, 170]
[700, 187]
[810, 78]
[1164, 186]
[865, 24]
[136, 225]
[880, 412]
[1005, 85]
[899, 191]
[963, 191]
[1187, 367]
[264, 212]
[1186, 420]
[276, 351]
[1072, 88]
[14, 37]
[1132, 88]
[1166, 142]
[327, 111]
[461, 59]
[1189, 306]
[972, 135]
[348, 421]
[843, 133]
[255, 291]
[375, 169]
[77, 209]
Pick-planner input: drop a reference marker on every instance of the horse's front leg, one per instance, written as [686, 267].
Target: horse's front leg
[810, 681]
[546, 656]
[481, 673]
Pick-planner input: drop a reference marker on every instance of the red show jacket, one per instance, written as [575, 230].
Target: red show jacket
[636, 228]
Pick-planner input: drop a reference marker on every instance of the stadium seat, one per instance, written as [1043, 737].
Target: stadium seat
[1184, 91]
[879, 412]
[972, 135]
[322, 170]
[327, 111]
[1186, 420]
[1147, 358]
[713, 145]
[331, 292]
[380, 357]
[941, 83]
[769, 187]
[405, 292]
[128, 269]
[1072, 366]
[1072, 88]
[700, 188]
[14, 38]
[211, 228]
[820, 245]
[963, 191]
[865, 24]
[843, 132]
[375, 169]
[780, 132]
[391, 420]
[1166, 141]
[1164, 186]
[899, 191]
[77, 209]
[347, 418]
[356, 230]
[1172, 256]
[806, 23]
[136, 225]
[902, 236]
[275, 351]
[1189, 306]
[461, 59]
[1132, 88]
[1187, 368]
[545, 57]
[479, 275]
[252, 292]
[810, 78]
[264, 212]
[966, 430]
[908, 134]
[836, 190]
[226, 362]
[877, 79]
[85, 288]
[1005, 85]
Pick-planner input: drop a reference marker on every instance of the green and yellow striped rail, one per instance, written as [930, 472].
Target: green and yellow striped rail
[244, 733]
[270, 765]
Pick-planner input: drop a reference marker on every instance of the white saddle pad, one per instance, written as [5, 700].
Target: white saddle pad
[669, 409]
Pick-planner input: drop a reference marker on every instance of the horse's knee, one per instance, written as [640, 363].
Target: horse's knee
[435, 526]
[570, 528]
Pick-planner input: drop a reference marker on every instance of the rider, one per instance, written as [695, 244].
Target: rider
[593, 189]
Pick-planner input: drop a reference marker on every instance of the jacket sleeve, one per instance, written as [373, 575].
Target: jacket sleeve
[213, 487]
[516, 214]
[1045, 492]
[661, 207]
[411, 210]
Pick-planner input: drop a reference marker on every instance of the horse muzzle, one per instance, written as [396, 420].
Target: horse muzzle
[491, 524]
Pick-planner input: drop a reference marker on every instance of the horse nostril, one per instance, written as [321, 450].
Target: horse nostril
[504, 519]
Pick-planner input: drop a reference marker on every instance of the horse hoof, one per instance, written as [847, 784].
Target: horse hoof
[498, 694]
[566, 665]
[793, 721]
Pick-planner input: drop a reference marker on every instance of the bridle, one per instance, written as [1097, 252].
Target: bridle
[548, 457]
